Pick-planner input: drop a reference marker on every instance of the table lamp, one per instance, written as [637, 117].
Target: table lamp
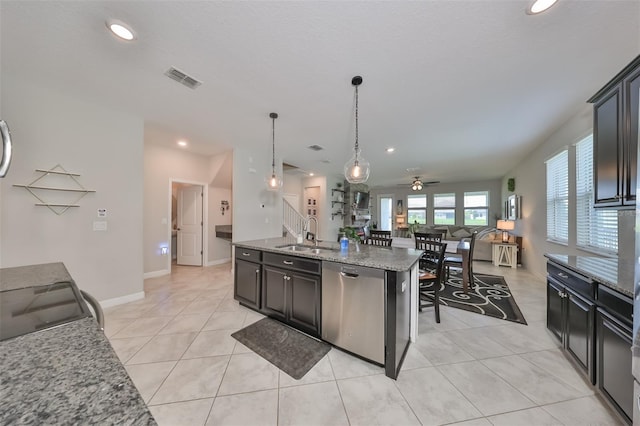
[505, 226]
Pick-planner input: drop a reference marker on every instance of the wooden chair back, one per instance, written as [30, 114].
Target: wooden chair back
[376, 241]
[375, 233]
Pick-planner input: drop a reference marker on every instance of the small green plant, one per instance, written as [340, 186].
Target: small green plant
[350, 233]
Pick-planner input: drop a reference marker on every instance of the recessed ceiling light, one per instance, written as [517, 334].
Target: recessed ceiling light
[390, 149]
[182, 143]
[310, 174]
[539, 6]
[121, 30]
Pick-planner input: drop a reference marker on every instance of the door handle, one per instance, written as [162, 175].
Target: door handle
[349, 275]
[178, 229]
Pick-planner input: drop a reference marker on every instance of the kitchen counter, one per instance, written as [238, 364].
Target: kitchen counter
[387, 258]
[67, 374]
[33, 276]
[614, 273]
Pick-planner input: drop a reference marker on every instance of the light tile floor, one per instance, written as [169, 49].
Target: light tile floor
[469, 369]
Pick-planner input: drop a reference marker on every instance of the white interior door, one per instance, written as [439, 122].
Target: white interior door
[190, 225]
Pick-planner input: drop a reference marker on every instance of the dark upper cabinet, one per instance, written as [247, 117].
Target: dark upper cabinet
[615, 138]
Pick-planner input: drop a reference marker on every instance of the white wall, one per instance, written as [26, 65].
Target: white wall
[530, 176]
[106, 148]
[257, 212]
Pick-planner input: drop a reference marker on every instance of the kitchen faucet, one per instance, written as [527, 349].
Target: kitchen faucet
[306, 228]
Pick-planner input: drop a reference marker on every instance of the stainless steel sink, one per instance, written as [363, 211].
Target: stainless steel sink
[294, 247]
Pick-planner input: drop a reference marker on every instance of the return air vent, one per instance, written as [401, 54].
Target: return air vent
[180, 77]
[316, 148]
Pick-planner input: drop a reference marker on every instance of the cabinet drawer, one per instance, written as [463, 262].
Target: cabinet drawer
[576, 282]
[616, 304]
[248, 254]
[293, 262]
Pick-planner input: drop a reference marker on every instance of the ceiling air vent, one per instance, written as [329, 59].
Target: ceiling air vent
[316, 148]
[180, 77]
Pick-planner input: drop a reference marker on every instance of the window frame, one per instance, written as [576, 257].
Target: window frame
[417, 209]
[484, 207]
[444, 208]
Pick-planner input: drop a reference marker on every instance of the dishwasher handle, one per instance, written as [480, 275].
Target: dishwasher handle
[351, 275]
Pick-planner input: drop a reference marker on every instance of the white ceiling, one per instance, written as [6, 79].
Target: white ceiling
[462, 89]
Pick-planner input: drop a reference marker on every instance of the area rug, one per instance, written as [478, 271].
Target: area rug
[489, 295]
[291, 351]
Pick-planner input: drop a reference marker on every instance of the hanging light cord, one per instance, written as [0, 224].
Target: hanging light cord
[356, 148]
[273, 145]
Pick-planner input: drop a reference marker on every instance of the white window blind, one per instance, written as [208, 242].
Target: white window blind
[417, 208]
[558, 197]
[444, 209]
[596, 229]
[476, 208]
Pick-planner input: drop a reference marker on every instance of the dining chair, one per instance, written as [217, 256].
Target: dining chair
[430, 276]
[455, 260]
[375, 233]
[423, 236]
[377, 241]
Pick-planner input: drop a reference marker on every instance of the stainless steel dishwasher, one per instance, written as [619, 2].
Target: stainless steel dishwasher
[353, 309]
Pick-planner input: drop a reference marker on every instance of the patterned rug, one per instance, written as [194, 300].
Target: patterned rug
[489, 295]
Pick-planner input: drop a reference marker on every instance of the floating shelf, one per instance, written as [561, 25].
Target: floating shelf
[336, 202]
[341, 214]
[336, 190]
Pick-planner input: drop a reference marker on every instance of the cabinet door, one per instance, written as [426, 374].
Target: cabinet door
[580, 331]
[614, 363]
[607, 145]
[631, 88]
[274, 292]
[555, 317]
[247, 283]
[304, 302]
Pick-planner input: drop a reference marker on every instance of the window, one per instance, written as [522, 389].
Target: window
[444, 209]
[417, 208]
[596, 229]
[476, 208]
[558, 198]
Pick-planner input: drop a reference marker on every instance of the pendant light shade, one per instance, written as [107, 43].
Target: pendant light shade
[274, 181]
[357, 168]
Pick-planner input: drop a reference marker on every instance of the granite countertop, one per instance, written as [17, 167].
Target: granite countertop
[388, 258]
[615, 273]
[67, 374]
[33, 276]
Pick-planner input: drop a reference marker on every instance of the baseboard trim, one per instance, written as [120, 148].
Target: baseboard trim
[219, 261]
[156, 274]
[121, 300]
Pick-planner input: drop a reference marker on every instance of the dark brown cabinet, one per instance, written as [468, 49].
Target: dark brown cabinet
[570, 315]
[291, 292]
[614, 338]
[248, 276]
[615, 138]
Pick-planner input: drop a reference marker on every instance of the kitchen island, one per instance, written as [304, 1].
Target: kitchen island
[292, 283]
[65, 374]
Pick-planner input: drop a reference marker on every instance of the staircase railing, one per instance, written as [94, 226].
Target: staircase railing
[292, 221]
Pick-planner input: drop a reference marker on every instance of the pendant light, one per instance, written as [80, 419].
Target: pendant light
[357, 168]
[274, 182]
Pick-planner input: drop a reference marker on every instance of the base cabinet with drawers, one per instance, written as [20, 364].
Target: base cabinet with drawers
[594, 323]
[570, 315]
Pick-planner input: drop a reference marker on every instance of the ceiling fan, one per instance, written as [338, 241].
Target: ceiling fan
[418, 184]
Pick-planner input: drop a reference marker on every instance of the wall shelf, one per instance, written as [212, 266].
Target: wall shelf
[336, 190]
[59, 207]
[336, 202]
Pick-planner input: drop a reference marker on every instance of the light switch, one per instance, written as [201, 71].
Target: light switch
[99, 225]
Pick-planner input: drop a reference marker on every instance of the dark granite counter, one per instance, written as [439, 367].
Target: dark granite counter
[67, 374]
[614, 273]
[388, 258]
[33, 275]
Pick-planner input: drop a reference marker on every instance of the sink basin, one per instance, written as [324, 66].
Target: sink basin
[298, 247]
[294, 247]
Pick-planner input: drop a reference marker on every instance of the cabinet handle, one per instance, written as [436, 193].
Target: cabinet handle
[287, 262]
[246, 254]
[560, 293]
[561, 275]
[257, 271]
